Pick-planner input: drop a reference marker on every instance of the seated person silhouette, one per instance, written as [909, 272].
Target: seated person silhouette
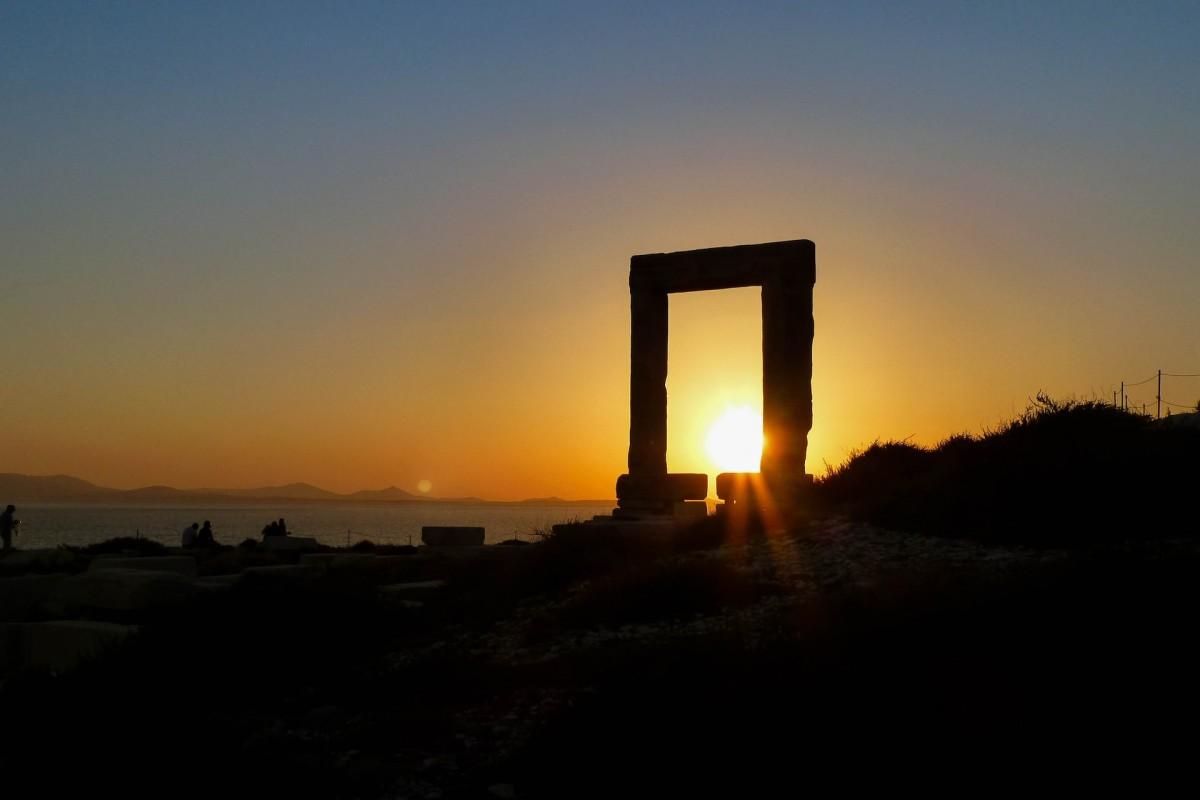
[8, 526]
[278, 528]
[205, 537]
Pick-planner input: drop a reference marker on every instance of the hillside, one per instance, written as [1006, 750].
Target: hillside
[391, 493]
[1060, 472]
[708, 661]
[50, 488]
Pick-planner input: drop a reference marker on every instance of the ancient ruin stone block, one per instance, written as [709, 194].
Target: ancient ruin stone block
[288, 544]
[452, 536]
[758, 487]
[184, 565]
[675, 486]
[125, 590]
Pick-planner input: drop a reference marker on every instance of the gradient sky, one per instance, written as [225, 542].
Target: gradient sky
[362, 244]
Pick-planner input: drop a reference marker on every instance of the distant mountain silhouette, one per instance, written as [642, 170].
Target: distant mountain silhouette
[290, 491]
[390, 493]
[48, 487]
[15, 488]
[157, 492]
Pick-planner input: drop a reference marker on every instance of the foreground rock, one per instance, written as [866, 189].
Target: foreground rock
[452, 536]
[125, 590]
[47, 560]
[30, 597]
[284, 572]
[288, 544]
[57, 646]
[182, 565]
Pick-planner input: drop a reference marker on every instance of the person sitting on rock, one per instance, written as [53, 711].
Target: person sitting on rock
[205, 537]
[8, 525]
[188, 539]
[283, 531]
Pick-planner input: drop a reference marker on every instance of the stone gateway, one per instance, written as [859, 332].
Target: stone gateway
[786, 271]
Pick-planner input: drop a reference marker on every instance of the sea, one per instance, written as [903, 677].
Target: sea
[334, 524]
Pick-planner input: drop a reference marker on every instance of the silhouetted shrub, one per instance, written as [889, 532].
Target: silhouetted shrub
[125, 544]
[1059, 472]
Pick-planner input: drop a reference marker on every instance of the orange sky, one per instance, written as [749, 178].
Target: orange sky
[524, 392]
[396, 251]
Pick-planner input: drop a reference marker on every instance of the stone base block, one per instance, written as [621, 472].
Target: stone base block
[218, 583]
[412, 589]
[677, 510]
[690, 510]
[451, 536]
[288, 544]
[29, 597]
[183, 565]
[737, 488]
[340, 560]
[669, 488]
[644, 510]
[297, 573]
[125, 590]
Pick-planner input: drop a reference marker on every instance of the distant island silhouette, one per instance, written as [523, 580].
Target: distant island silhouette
[69, 489]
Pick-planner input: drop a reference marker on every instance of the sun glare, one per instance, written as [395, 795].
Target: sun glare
[735, 440]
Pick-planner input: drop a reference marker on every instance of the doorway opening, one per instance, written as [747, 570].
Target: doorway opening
[714, 382]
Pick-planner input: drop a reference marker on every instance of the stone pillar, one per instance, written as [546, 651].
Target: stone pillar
[648, 383]
[787, 331]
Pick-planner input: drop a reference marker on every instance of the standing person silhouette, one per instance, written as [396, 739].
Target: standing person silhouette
[8, 525]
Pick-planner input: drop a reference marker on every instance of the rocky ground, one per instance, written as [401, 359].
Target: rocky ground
[558, 667]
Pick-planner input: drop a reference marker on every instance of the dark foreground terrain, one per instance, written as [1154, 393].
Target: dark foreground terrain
[876, 640]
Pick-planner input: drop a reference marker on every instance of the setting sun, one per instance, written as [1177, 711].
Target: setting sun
[735, 440]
